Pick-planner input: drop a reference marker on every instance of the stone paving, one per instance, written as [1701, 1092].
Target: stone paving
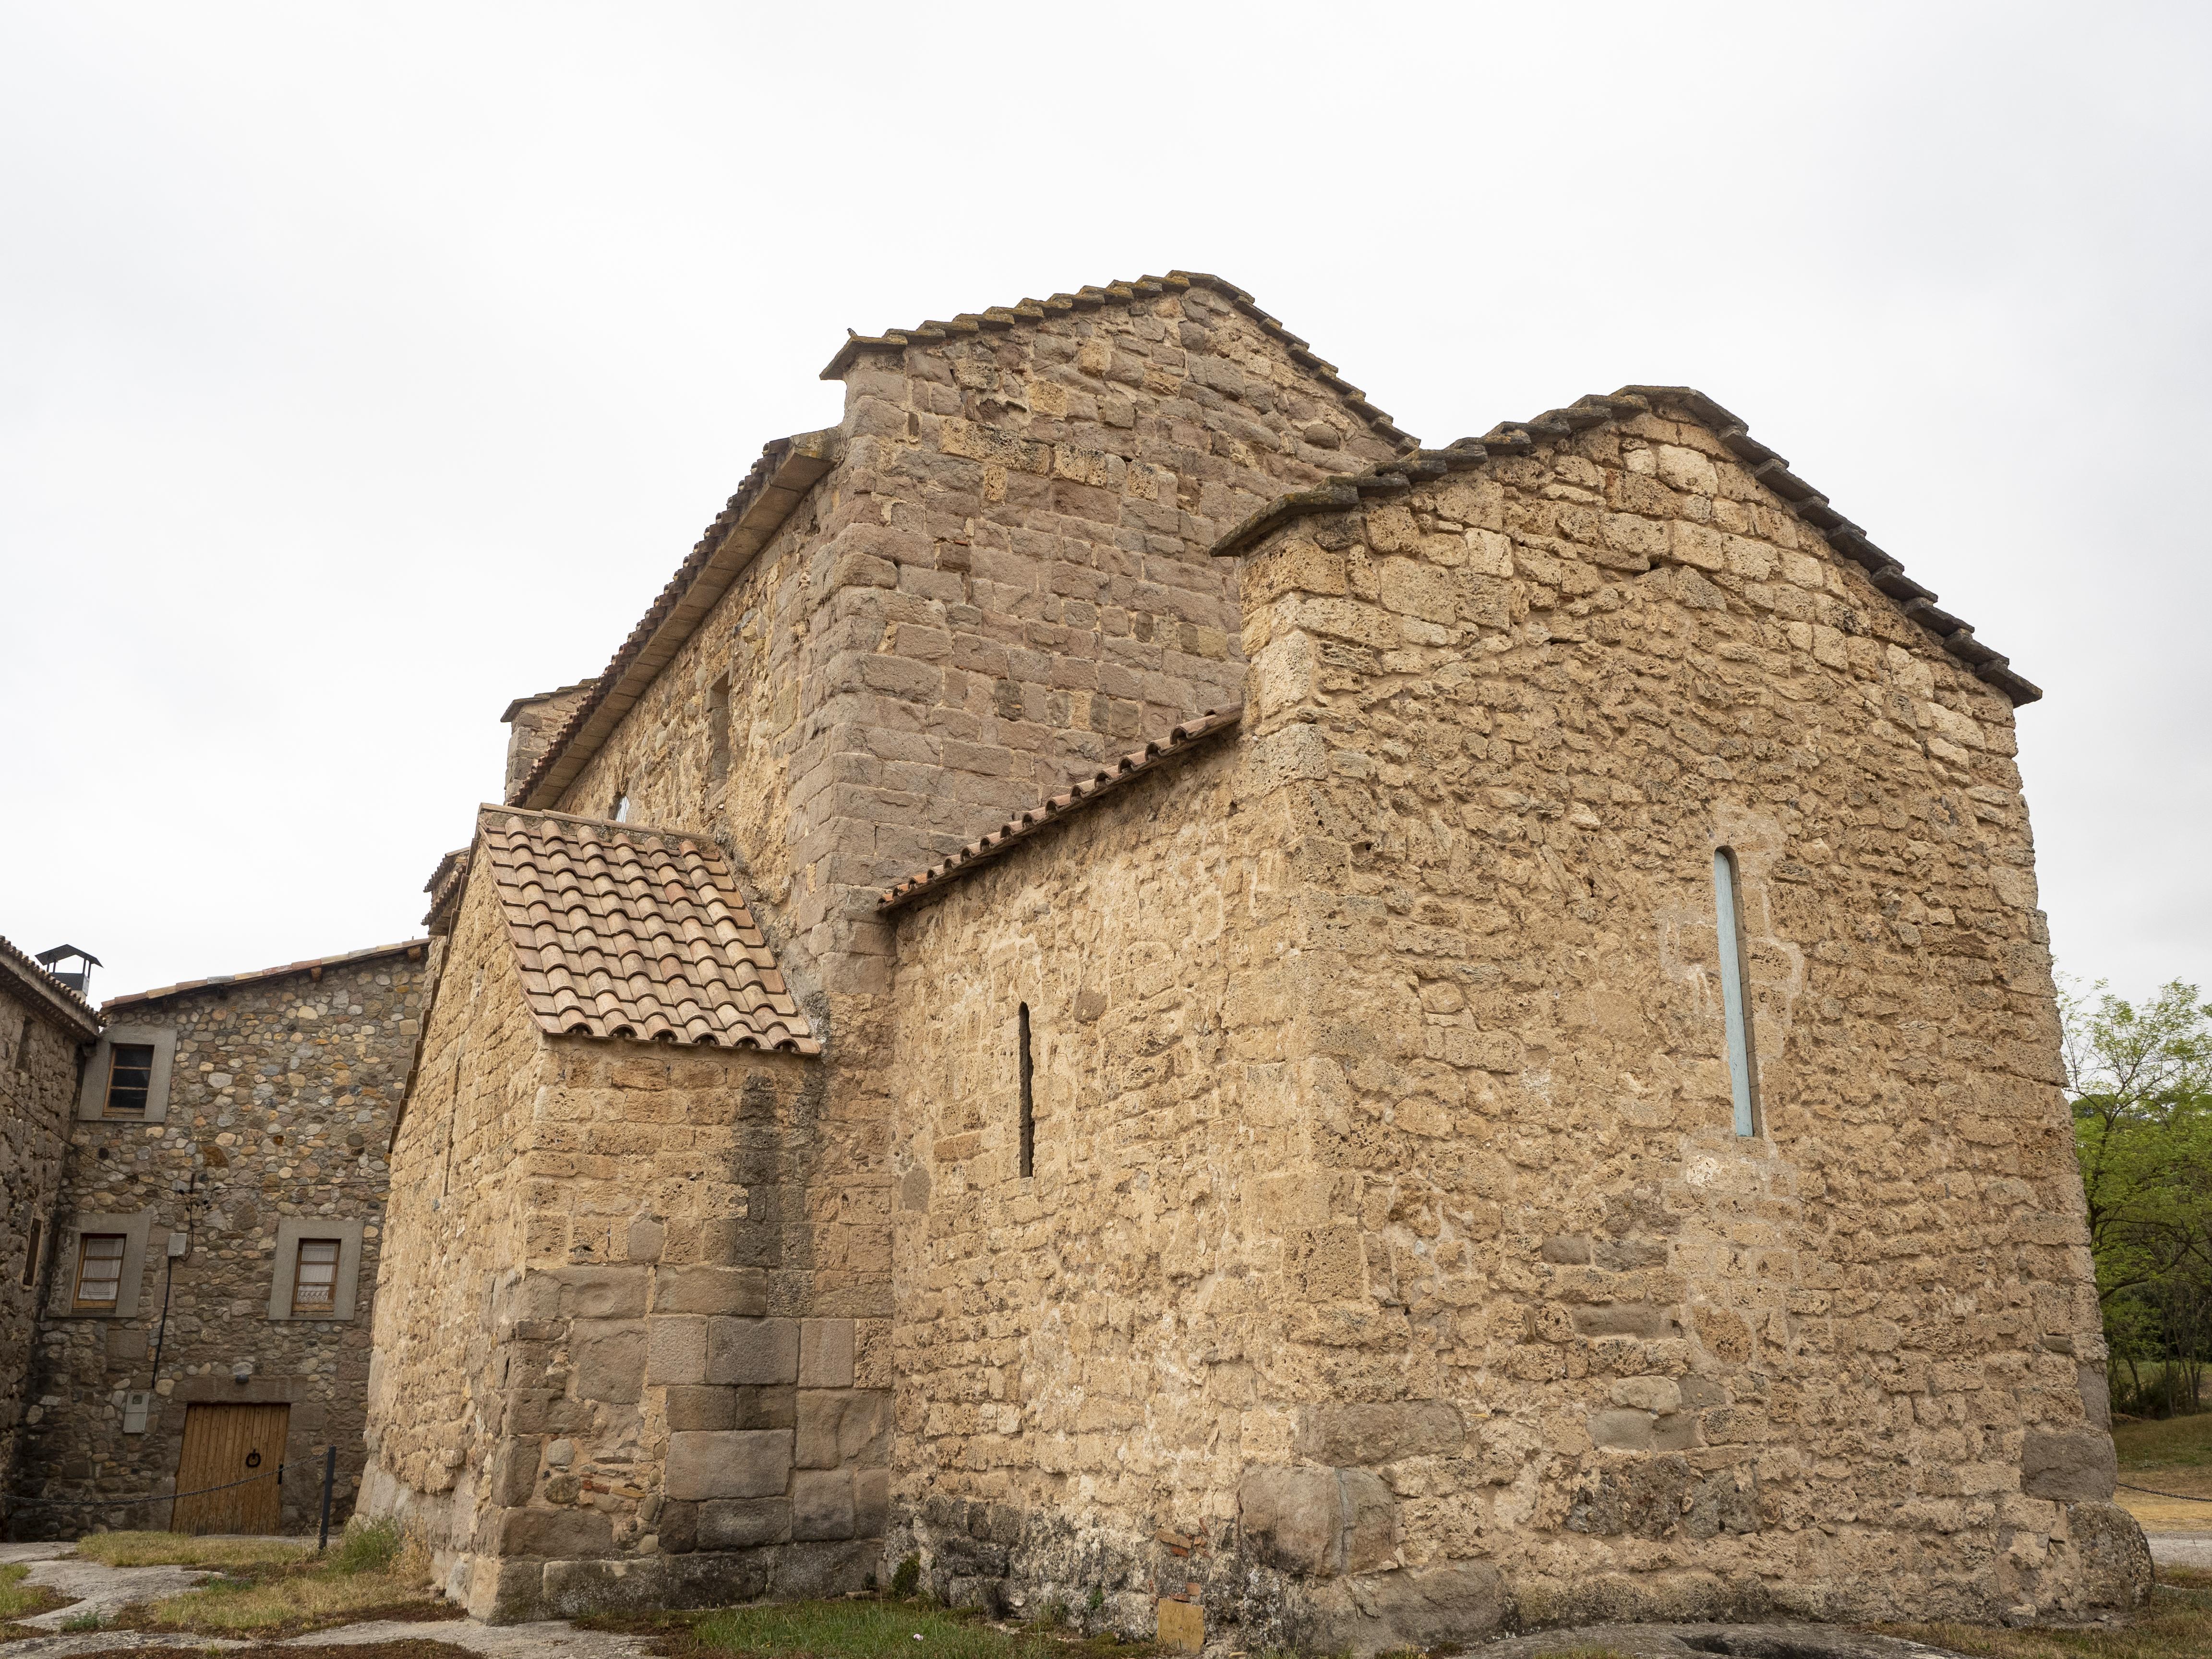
[106, 1590]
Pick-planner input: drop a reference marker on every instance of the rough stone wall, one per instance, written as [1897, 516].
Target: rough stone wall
[1002, 583]
[602, 1376]
[1551, 1314]
[457, 1224]
[280, 1105]
[532, 723]
[1071, 1363]
[1451, 1297]
[38, 1092]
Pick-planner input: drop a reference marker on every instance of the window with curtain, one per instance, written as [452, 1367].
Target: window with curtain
[315, 1276]
[99, 1272]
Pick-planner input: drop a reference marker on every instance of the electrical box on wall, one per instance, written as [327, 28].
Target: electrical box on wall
[179, 1243]
[134, 1412]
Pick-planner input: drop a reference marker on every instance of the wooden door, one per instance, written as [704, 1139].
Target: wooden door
[223, 1443]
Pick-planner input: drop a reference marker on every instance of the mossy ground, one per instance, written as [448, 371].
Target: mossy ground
[864, 1627]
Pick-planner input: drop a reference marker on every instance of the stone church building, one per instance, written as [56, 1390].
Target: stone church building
[1136, 989]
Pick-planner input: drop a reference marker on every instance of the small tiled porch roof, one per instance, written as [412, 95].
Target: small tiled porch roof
[620, 930]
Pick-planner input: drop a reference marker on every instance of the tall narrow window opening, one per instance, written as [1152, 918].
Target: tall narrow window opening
[130, 1074]
[718, 733]
[1029, 1096]
[1735, 991]
[32, 1247]
[99, 1272]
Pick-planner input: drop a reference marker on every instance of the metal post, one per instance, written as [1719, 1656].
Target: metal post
[329, 1477]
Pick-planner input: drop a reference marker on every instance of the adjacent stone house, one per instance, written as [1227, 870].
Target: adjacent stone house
[1359, 1042]
[206, 1315]
[45, 1027]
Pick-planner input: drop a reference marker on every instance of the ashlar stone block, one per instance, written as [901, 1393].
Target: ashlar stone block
[825, 1354]
[728, 1463]
[752, 1351]
[821, 1504]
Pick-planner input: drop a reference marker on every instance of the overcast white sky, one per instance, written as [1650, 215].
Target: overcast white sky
[363, 366]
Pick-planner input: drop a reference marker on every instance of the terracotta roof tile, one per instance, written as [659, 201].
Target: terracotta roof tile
[1089, 299]
[1519, 437]
[35, 984]
[1177, 743]
[624, 930]
[411, 948]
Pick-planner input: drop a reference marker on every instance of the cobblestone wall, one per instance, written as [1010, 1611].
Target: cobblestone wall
[278, 1110]
[41, 1038]
[1511, 1323]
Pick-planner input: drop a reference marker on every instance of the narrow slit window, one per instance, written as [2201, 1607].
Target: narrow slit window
[129, 1075]
[32, 1247]
[99, 1272]
[1029, 1096]
[1735, 991]
[718, 733]
[315, 1276]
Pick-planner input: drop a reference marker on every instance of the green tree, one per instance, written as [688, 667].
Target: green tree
[2140, 1082]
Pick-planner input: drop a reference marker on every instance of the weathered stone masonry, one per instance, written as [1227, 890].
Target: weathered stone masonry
[280, 1089]
[1389, 1270]
[46, 1028]
[1508, 1324]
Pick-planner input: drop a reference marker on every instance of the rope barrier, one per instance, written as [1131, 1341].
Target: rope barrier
[2155, 1492]
[276, 1474]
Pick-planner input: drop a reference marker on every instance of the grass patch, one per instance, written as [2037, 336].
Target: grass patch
[862, 1627]
[868, 1629]
[20, 1601]
[183, 1549]
[2176, 1624]
[2175, 1456]
[372, 1573]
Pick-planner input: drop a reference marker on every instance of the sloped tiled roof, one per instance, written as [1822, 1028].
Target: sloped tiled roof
[624, 930]
[34, 984]
[1089, 299]
[411, 948]
[1519, 437]
[1177, 743]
